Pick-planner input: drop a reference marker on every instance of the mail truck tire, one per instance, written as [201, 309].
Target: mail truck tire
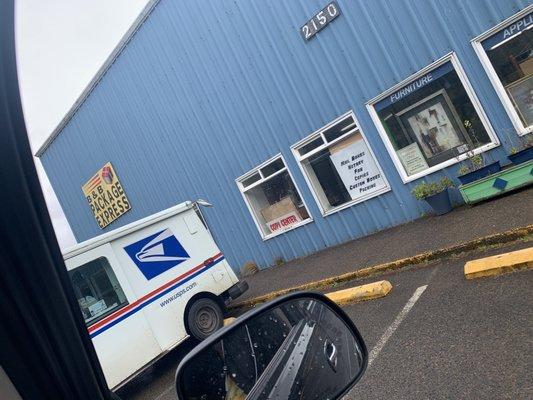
[204, 318]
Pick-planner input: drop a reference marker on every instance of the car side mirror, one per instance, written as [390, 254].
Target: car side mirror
[300, 346]
[204, 203]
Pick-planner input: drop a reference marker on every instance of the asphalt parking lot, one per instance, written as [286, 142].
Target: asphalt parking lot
[460, 340]
[436, 335]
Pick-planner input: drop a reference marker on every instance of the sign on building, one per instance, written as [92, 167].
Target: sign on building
[320, 20]
[357, 168]
[412, 159]
[282, 215]
[105, 196]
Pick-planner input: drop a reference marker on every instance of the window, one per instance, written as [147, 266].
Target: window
[339, 166]
[272, 198]
[506, 52]
[97, 290]
[431, 120]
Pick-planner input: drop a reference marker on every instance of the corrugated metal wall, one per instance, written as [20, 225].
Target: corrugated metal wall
[206, 90]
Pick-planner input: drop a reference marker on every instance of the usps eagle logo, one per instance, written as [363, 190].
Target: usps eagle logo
[157, 253]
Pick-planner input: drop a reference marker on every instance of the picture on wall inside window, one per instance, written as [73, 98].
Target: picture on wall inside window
[430, 120]
[431, 124]
[521, 94]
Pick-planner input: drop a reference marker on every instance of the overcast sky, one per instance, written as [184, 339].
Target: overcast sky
[60, 46]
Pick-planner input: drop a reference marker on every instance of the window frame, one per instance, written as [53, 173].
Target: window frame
[325, 145]
[521, 129]
[94, 321]
[243, 190]
[450, 57]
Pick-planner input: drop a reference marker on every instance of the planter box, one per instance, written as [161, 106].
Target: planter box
[502, 182]
[440, 202]
[522, 156]
[480, 173]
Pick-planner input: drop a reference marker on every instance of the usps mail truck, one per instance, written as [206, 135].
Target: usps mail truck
[146, 287]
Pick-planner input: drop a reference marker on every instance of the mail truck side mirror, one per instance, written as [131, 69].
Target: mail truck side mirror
[301, 346]
[204, 203]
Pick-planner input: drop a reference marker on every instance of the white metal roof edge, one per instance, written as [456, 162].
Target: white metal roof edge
[143, 15]
[124, 230]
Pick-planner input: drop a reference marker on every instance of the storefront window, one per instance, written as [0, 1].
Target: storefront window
[339, 165]
[509, 58]
[430, 121]
[97, 290]
[273, 199]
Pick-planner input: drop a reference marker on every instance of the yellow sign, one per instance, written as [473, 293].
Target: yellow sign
[106, 196]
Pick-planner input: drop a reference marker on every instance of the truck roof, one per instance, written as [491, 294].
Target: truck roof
[125, 230]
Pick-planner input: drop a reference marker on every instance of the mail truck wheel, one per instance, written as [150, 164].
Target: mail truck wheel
[204, 317]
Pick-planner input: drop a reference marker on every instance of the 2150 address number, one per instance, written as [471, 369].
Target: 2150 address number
[320, 20]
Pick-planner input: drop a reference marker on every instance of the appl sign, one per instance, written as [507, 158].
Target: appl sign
[106, 196]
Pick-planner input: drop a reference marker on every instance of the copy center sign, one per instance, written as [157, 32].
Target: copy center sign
[106, 196]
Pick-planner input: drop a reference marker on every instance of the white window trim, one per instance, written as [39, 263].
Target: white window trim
[243, 191]
[471, 95]
[521, 130]
[300, 159]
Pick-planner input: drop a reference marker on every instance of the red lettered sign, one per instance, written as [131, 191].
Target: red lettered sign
[284, 222]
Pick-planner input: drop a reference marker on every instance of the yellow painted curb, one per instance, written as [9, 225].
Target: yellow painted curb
[523, 233]
[228, 321]
[499, 264]
[369, 291]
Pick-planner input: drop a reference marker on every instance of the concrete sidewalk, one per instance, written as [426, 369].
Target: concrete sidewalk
[426, 234]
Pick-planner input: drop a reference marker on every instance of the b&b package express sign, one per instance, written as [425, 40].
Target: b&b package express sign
[106, 196]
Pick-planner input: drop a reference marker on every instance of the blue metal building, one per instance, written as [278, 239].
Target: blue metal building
[200, 94]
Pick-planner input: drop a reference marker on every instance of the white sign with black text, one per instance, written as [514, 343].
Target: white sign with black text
[412, 159]
[357, 168]
[320, 20]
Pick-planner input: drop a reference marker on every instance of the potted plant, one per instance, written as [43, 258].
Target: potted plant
[435, 194]
[475, 168]
[523, 151]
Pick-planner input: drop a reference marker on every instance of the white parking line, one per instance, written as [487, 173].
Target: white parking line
[379, 345]
[392, 327]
